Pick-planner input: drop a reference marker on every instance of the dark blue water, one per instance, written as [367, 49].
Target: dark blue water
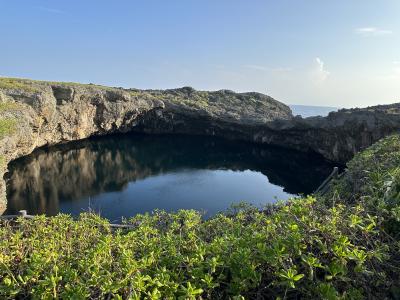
[123, 175]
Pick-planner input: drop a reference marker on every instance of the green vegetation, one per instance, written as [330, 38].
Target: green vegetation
[373, 181]
[224, 103]
[185, 96]
[299, 249]
[344, 245]
[7, 126]
[198, 103]
[18, 84]
[8, 106]
[257, 107]
[8, 121]
[85, 85]
[33, 86]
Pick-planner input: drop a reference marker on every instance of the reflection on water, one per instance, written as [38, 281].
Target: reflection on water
[128, 174]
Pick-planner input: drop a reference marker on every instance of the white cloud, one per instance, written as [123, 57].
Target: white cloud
[318, 72]
[255, 67]
[51, 10]
[282, 69]
[372, 31]
[269, 69]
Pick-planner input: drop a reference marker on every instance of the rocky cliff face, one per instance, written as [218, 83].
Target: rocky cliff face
[35, 114]
[336, 137]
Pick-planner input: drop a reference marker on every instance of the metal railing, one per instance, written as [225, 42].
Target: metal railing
[324, 187]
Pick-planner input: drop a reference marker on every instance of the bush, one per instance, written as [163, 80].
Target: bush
[372, 179]
[340, 246]
[301, 249]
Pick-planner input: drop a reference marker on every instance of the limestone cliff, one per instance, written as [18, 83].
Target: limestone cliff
[336, 137]
[36, 113]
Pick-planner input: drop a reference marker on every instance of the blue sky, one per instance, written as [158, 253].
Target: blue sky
[336, 53]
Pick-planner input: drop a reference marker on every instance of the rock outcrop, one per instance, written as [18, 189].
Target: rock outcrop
[36, 113]
[336, 137]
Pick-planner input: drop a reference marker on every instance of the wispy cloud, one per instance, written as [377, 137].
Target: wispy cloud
[51, 10]
[318, 72]
[255, 67]
[271, 69]
[372, 31]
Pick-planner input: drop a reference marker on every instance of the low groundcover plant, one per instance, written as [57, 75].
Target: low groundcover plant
[342, 245]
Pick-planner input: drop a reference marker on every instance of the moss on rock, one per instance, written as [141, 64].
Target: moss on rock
[7, 126]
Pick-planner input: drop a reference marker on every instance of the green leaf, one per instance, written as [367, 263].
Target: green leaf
[298, 277]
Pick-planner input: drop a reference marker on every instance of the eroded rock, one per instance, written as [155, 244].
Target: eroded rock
[50, 113]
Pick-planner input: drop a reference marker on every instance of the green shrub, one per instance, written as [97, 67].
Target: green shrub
[300, 250]
[373, 180]
[341, 246]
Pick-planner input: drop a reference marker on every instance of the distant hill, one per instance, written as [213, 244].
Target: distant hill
[309, 111]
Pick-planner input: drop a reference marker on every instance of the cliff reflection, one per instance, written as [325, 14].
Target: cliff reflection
[41, 181]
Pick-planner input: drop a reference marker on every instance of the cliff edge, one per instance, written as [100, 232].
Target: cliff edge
[38, 113]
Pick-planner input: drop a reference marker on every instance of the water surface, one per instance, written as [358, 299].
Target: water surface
[120, 176]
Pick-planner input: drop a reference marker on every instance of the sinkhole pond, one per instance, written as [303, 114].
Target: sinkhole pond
[122, 175]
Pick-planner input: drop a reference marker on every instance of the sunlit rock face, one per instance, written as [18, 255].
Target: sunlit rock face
[49, 113]
[52, 113]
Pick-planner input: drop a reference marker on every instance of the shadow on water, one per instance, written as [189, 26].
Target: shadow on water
[179, 171]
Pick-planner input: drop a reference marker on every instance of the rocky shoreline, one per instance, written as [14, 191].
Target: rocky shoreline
[36, 113]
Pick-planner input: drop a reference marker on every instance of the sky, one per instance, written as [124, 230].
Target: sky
[332, 53]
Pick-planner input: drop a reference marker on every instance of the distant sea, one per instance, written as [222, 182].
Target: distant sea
[311, 111]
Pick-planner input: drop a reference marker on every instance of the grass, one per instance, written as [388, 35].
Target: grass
[195, 103]
[29, 85]
[72, 84]
[344, 245]
[18, 84]
[8, 106]
[7, 126]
